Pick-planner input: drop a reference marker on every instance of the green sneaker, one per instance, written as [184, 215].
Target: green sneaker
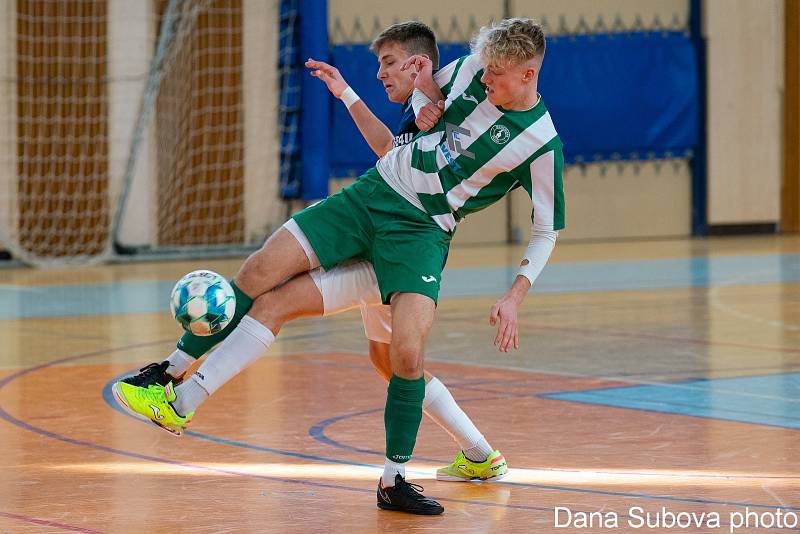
[153, 404]
[465, 470]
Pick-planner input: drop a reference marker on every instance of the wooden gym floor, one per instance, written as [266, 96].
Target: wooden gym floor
[658, 376]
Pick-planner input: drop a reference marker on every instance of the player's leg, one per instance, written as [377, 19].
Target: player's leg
[412, 318]
[299, 297]
[379, 357]
[408, 254]
[174, 405]
[476, 460]
[327, 233]
[337, 228]
[308, 294]
[191, 347]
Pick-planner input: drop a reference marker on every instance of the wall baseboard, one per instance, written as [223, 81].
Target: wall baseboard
[742, 229]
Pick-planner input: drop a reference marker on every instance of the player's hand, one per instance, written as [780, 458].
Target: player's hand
[328, 74]
[504, 316]
[422, 65]
[429, 115]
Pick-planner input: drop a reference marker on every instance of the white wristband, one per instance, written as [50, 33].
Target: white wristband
[349, 97]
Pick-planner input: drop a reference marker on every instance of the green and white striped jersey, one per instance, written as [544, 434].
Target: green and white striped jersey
[477, 153]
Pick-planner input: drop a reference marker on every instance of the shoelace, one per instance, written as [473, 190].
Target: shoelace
[417, 487]
[152, 368]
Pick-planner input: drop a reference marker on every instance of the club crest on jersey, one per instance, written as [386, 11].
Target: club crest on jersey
[500, 134]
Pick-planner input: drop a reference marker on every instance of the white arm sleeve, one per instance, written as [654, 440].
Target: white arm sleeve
[538, 252]
[442, 77]
[418, 100]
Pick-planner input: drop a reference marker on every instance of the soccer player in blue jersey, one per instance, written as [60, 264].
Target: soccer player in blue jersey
[494, 135]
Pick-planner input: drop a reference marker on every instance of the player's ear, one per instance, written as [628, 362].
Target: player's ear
[529, 75]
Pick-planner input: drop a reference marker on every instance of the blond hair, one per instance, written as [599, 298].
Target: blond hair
[515, 40]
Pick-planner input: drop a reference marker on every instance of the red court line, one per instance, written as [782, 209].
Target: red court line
[47, 523]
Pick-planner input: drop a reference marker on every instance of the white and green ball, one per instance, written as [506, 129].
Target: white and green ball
[203, 302]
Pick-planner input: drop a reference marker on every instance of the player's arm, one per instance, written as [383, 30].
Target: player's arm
[547, 197]
[423, 81]
[505, 312]
[378, 136]
[427, 100]
[430, 90]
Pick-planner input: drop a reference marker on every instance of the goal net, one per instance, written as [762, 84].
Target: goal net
[125, 128]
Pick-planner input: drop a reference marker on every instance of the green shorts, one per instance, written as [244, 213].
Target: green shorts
[368, 220]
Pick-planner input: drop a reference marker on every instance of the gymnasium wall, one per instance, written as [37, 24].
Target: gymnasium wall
[644, 198]
[745, 84]
[604, 200]
[619, 199]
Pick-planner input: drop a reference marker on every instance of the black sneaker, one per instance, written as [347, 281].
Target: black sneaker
[406, 497]
[151, 374]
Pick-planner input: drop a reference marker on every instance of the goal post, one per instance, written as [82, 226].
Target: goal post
[137, 128]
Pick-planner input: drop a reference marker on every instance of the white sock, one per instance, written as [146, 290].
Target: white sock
[479, 452]
[440, 406]
[179, 362]
[190, 396]
[247, 343]
[390, 469]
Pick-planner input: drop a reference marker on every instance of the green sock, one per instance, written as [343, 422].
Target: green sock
[402, 417]
[196, 346]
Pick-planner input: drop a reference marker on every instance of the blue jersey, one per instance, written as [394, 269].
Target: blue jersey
[407, 128]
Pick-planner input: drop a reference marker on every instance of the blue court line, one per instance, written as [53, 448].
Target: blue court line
[27, 426]
[769, 400]
[4, 415]
[568, 277]
[108, 398]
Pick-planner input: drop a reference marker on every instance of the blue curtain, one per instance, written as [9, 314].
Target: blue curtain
[615, 96]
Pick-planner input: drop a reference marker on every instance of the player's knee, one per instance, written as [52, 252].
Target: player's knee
[250, 271]
[407, 362]
[271, 258]
[270, 310]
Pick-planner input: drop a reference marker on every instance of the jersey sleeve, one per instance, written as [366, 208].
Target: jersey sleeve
[547, 188]
[464, 68]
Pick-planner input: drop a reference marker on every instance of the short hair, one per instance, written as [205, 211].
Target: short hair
[415, 38]
[514, 40]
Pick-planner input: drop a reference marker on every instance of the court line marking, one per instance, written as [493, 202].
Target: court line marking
[715, 299]
[47, 523]
[317, 432]
[109, 400]
[59, 437]
[625, 382]
[4, 415]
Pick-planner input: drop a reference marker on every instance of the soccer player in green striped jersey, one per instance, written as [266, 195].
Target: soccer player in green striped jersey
[488, 132]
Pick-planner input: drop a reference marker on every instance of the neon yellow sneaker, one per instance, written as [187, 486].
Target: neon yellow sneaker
[465, 470]
[153, 404]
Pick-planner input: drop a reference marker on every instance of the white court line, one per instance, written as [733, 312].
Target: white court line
[716, 302]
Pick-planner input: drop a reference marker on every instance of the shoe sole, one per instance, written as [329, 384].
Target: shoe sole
[451, 478]
[393, 508]
[130, 411]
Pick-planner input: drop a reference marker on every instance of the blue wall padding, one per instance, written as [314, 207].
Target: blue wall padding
[614, 96]
[315, 161]
[622, 96]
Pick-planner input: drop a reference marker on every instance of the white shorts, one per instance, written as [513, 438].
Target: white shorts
[347, 286]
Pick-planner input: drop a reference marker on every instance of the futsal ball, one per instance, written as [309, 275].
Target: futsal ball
[203, 302]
